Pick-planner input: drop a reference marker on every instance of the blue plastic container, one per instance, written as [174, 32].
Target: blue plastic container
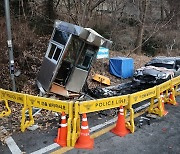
[121, 67]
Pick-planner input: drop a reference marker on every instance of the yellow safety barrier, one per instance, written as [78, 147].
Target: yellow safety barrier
[93, 106]
[159, 108]
[74, 109]
[69, 124]
[26, 123]
[12, 96]
[142, 95]
[29, 101]
[7, 112]
[76, 124]
[102, 104]
[134, 99]
[165, 87]
[48, 104]
[176, 83]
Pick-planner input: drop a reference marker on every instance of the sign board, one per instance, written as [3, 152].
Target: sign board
[165, 86]
[103, 104]
[103, 53]
[48, 104]
[12, 96]
[176, 81]
[142, 95]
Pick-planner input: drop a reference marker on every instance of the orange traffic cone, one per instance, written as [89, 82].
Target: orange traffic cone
[120, 128]
[165, 112]
[61, 138]
[84, 141]
[172, 99]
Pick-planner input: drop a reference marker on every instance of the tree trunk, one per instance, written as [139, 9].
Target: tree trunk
[162, 11]
[143, 10]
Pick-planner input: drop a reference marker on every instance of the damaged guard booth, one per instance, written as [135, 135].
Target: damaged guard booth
[68, 59]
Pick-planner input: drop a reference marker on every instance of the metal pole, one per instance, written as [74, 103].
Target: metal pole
[9, 43]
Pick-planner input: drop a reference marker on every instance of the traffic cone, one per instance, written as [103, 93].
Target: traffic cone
[61, 138]
[84, 141]
[165, 112]
[172, 99]
[120, 128]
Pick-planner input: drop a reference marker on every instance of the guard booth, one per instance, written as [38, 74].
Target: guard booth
[68, 59]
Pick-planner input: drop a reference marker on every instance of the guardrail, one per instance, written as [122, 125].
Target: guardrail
[75, 109]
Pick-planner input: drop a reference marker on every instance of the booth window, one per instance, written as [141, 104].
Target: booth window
[57, 53]
[85, 59]
[73, 50]
[51, 52]
[61, 37]
[54, 52]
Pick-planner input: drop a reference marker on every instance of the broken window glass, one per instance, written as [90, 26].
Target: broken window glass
[61, 37]
[85, 58]
[73, 50]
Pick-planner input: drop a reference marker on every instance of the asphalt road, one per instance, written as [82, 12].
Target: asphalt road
[161, 136]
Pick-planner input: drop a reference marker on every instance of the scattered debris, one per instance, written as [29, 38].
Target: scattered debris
[33, 127]
[153, 116]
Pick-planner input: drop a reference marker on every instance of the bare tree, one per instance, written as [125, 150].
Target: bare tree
[79, 11]
[174, 12]
[143, 9]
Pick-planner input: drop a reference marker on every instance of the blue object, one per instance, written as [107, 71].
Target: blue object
[103, 53]
[121, 67]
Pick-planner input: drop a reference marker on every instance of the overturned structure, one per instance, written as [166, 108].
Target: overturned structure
[68, 59]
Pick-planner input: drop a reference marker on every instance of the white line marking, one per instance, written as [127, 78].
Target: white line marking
[46, 149]
[13, 146]
[93, 129]
[11, 143]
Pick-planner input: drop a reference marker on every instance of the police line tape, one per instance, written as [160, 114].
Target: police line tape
[127, 101]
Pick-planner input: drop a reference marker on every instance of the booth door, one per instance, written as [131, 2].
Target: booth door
[49, 65]
[79, 75]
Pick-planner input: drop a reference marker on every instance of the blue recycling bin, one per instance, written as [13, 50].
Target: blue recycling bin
[121, 67]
